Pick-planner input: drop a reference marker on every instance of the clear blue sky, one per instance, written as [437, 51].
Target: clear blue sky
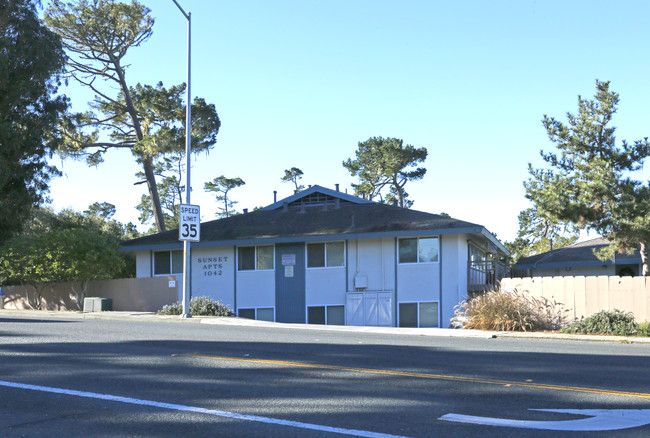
[301, 82]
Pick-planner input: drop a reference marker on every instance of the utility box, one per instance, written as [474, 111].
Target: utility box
[96, 304]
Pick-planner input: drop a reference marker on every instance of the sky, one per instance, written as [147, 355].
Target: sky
[302, 82]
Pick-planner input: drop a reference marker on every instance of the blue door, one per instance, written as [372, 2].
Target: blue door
[290, 282]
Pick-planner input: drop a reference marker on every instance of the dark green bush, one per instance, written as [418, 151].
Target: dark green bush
[606, 322]
[199, 306]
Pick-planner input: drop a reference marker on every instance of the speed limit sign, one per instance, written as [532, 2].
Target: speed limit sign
[190, 223]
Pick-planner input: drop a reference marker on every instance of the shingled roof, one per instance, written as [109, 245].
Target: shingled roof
[578, 254]
[331, 219]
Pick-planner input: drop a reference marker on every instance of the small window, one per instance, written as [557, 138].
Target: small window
[260, 314]
[330, 315]
[251, 258]
[316, 315]
[335, 253]
[408, 250]
[424, 314]
[408, 315]
[419, 250]
[264, 257]
[325, 255]
[266, 314]
[167, 262]
[246, 313]
[428, 314]
[246, 258]
[335, 315]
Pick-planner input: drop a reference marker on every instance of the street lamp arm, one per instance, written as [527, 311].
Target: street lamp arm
[187, 16]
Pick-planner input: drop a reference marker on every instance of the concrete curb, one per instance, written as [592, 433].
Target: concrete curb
[233, 321]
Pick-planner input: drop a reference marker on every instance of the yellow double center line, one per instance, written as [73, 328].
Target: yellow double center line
[527, 384]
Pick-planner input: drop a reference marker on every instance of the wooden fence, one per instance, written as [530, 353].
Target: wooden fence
[128, 294]
[584, 296]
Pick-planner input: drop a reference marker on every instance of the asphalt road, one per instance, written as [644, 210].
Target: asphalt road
[134, 378]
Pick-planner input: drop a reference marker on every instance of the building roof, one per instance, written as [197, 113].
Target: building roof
[316, 214]
[578, 254]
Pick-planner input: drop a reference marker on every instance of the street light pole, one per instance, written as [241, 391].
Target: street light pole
[188, 149]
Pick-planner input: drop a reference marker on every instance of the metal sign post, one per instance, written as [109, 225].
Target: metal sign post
[188, 151]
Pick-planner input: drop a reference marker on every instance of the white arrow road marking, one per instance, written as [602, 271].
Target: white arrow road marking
[256, 418]
[598, 419]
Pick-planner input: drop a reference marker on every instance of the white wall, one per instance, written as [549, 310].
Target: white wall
[375, 259]
[143, 264]
[454, 274]
[325, 286]
[255, 289]
[418, 282]
[213, 274]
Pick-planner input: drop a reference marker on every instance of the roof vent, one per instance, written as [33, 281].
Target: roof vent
[275, 196]
[245, 210]
[337, 187]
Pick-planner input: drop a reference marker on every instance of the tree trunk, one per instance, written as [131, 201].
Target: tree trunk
[644, 259]
[153, 194]
[400, 190]
[147, 162]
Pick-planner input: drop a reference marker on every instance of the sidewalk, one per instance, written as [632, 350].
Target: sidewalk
[233, 321]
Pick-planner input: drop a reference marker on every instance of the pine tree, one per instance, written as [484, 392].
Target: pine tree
[590, 182]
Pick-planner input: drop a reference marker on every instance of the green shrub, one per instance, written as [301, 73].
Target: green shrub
[511, 311]
[643, 328]
[199, 306]
[171, 309]
[605, 322]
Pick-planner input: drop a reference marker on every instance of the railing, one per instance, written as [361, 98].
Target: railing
[485, 275]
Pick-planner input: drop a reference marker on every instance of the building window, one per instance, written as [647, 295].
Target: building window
[419, 250]
[255, 258]
[168, 262]
[258, 313]
[423, 314]
[325, 255]
[330, 315]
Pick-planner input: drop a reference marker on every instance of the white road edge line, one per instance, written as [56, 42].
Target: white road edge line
[177, 407]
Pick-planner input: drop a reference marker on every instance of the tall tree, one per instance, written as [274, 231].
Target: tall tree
[148, 120]
[222, 186]
[539, 233]
[293, 175]
[31, 58]
[170, 190]
[590, 180]
[386, 163]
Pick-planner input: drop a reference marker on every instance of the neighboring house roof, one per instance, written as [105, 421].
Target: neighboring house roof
[578, 254]
[316, 214]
